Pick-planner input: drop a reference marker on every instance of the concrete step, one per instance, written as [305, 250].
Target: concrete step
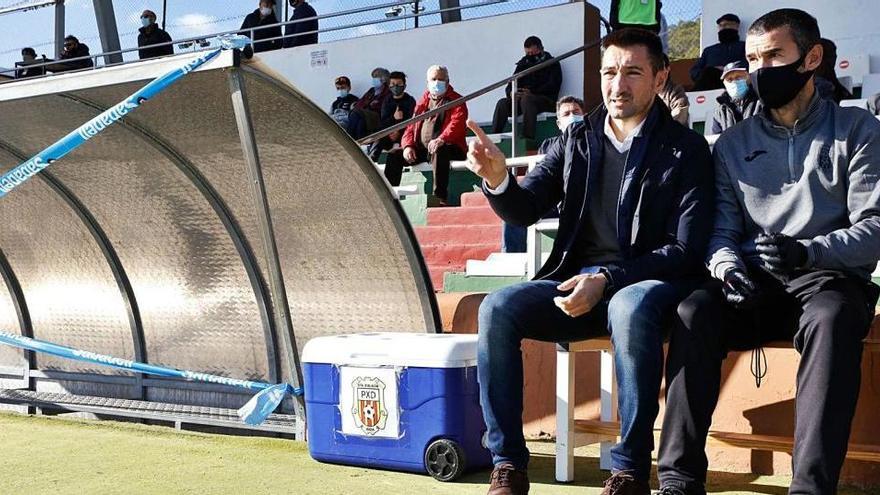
[463, 215]
[458, 254]
[498, 265]
[454, 235]
[437, 272]
[460, 282]
[476, 198]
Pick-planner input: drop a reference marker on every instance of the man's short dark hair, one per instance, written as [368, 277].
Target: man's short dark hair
[627, 37]
[804, 28]
[71, 37]
[533, 41]
[569, 99]
[29, 51]
[398, 75]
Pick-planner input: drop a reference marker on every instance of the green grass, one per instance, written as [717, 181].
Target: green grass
[65, 456]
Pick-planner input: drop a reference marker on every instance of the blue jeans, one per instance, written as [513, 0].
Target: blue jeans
[636, 317]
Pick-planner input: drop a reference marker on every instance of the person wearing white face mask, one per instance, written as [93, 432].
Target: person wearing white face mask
[151, 34]
[255, 27]
[738, 102]
[438, 139]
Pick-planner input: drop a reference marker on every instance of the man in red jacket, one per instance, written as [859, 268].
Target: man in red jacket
[438, 139]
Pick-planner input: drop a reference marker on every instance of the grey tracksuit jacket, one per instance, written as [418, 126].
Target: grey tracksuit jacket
[818, 183]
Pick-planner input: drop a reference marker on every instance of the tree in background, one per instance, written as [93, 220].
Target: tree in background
[684, 40]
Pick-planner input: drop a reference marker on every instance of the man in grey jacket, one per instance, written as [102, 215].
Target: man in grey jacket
[797, 234]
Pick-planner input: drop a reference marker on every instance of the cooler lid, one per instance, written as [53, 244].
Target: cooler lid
[394, 349]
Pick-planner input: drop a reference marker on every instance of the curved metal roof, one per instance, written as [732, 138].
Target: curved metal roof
[151, 241]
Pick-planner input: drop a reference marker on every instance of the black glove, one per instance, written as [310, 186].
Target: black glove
[780, 254]
[738, 288]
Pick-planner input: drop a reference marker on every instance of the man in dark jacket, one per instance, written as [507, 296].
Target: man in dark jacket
[636, 190]
[396, 109]
[796, 237]
[303, 32]
[253, 27]
[29, 57]
[536, 92]
[152, 34]
[344, 102]
[438, 139]
[366, 115]
[73, 49]
[739, 100]
[706, 72]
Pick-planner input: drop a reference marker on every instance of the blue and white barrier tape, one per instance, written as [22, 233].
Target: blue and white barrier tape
[90, 129]
[256, 410]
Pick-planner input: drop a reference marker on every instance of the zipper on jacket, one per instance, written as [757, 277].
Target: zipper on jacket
[791, 177]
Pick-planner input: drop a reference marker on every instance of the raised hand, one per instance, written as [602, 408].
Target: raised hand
[484, 158]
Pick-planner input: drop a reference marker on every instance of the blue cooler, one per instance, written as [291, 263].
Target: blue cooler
[399, 401]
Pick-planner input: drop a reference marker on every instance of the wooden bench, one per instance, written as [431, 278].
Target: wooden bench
[572, 432]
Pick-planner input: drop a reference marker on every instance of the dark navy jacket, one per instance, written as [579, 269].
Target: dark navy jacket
[719, 55]
[666, 209]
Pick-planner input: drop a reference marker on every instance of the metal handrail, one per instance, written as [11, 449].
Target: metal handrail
[196, 39]
[480, 92]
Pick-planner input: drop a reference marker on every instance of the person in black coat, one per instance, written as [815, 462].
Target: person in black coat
[72, 49]
[396, 109]
[706, 72]
[294, 33]
[152, 34]
[29, 57]
[536, 92]
[263, 16]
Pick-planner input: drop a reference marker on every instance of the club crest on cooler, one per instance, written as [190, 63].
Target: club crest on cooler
[370, 414]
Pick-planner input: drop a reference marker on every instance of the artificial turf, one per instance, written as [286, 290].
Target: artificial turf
[54, 455]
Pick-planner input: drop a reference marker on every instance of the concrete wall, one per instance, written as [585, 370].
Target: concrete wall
[477, 52]
[852, 24]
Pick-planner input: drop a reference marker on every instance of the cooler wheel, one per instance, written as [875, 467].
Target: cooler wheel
[444, 460]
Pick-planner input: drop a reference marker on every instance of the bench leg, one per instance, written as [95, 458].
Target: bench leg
[608, 404]
[564, 415]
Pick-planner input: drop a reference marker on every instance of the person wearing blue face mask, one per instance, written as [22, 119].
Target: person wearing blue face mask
[739, 101]
[569, 111]
[151, 34]
[344, 102]
[365, 117]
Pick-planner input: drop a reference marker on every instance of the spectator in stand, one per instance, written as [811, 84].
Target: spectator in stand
[438, 139]
[152, 34]
[706, 73]
[254, 27]
[72, 49]
[826, 80]
[536, 92]
[739, 100]
[366, 116]
[29, 57]
[295, 34]
[674, 96]
[643, 14]
[344, 102]
[568, 111]
[396, 109]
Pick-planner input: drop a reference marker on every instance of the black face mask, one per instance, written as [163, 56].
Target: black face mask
[397, 90]
[728, 35]
[776, 86]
